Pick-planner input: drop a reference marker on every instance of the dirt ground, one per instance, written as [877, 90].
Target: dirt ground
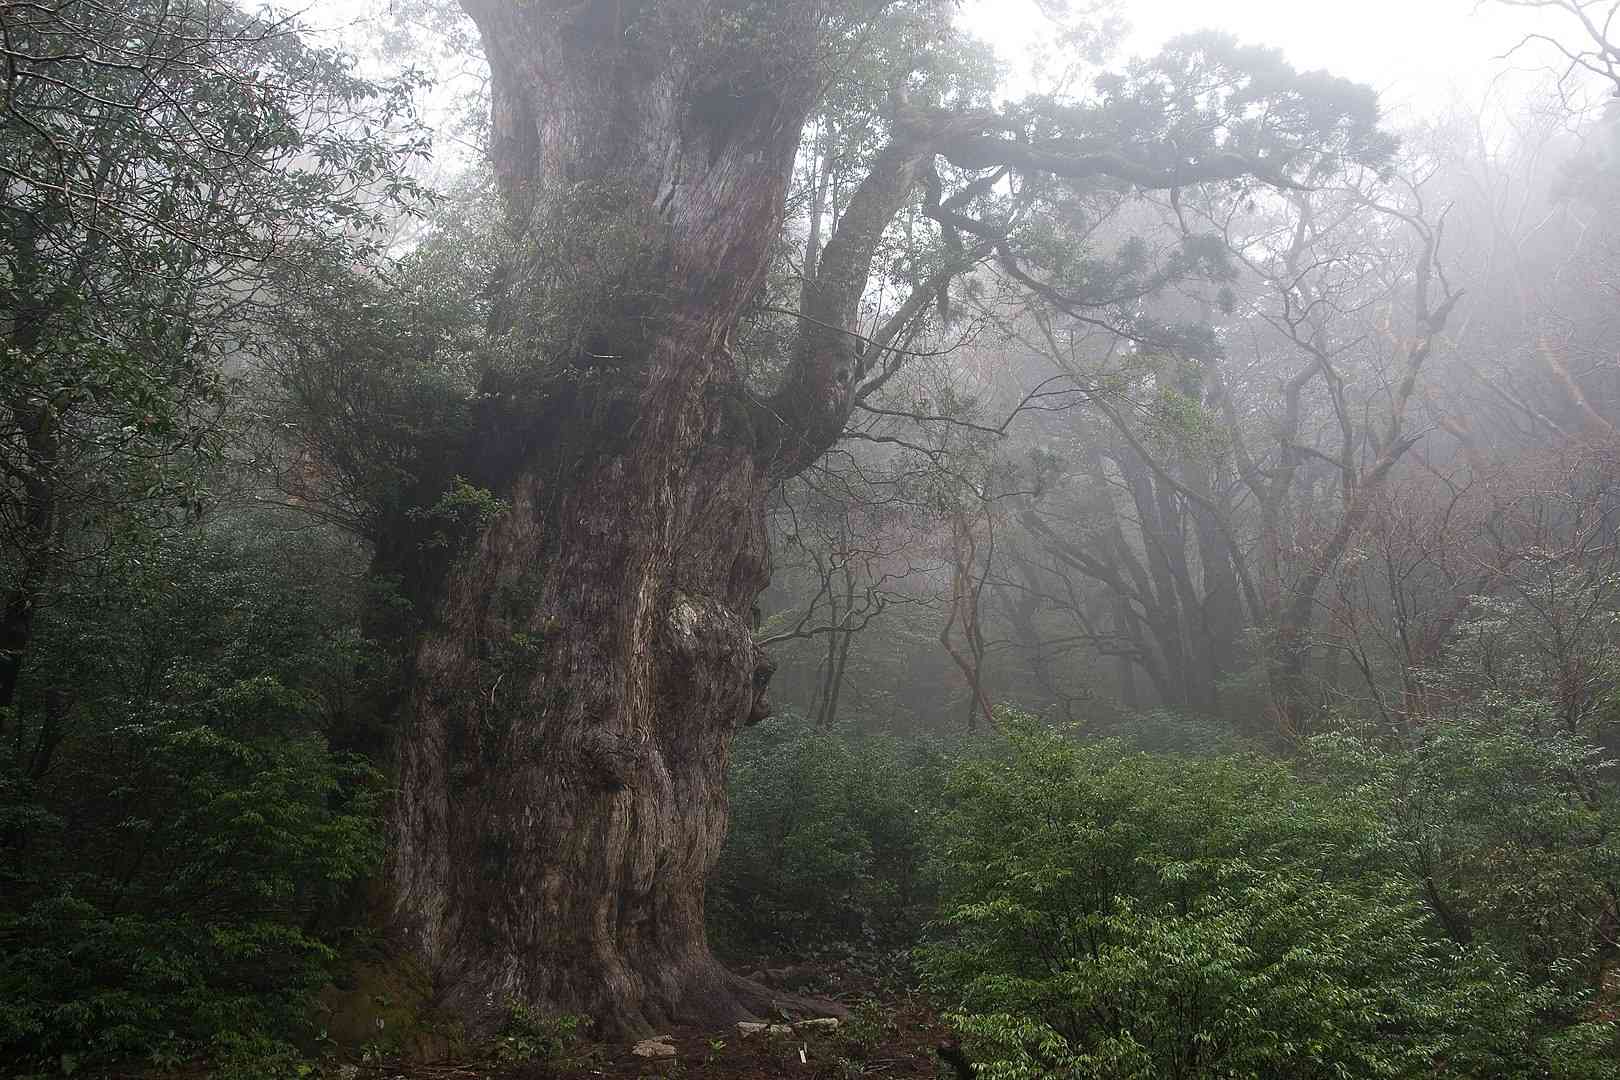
[882, 1039]
[889, 1032]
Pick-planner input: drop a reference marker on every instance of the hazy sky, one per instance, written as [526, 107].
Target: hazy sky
[1417, 53]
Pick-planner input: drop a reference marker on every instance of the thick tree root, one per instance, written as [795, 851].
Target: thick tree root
[716, 1002]
[765, 1003]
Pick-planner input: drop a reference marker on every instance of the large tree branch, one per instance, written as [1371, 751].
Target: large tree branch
[816, 396]
[1062, 159]
[991, 147]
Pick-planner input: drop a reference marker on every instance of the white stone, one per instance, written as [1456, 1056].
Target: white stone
[826, 1023]
[659, 1046]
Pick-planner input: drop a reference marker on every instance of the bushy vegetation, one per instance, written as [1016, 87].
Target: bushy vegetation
[829, 841]
[1505, 824]
[182, 819]
[177, 835]
[1099, 910]
[1116, 914]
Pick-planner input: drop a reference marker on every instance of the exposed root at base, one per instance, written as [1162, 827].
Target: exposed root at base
[766, 1003]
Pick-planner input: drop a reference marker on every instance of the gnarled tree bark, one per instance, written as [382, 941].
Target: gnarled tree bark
[563, 744]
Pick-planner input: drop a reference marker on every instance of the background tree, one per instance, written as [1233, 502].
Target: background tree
[177, 835]
[171, 173]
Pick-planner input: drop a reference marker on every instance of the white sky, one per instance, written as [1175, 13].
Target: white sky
[1419, 54]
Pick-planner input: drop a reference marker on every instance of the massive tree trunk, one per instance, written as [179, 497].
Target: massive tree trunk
[563, 749]
[563, 743]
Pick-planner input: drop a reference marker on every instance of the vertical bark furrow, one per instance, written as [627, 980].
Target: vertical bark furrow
[563, 752]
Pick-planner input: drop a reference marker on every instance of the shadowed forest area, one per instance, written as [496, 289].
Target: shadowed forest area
[762, 538]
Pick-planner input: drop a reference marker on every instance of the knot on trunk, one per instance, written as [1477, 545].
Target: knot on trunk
[615, 759]
[709, 660]
[703, 629]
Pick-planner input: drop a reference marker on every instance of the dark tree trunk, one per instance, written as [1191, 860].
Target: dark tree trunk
[36, 518]
[563, 749]
[563, 766]
[1220, 616]
[1166, 620]
[16, 631]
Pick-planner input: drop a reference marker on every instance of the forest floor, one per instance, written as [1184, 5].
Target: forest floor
[903, 1048]
[890, 1033]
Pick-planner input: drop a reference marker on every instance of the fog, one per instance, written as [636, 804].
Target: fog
[820, 538]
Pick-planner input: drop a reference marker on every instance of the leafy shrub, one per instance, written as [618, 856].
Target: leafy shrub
[1119, 915]
[1507, 822]
[1166, 731]
[528, 1036]
[177, 851]
[869, 1023]
[829, 839]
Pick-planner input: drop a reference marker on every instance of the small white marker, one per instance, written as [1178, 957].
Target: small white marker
[802, 1059]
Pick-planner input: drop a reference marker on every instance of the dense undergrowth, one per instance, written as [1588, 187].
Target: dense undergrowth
[181, 856]
[179, 838]
[1086, 908]
[1077, 906]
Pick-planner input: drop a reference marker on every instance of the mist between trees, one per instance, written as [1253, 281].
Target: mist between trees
[1138, 567]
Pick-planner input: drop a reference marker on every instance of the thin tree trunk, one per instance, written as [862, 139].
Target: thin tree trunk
[1127, 628]
[821, 166]
[16, 631]
[1221, 613]
[965, 608]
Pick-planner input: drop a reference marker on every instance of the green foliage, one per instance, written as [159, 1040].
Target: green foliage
[1112, 914]
[1207, 93]
[869, 1024]
[1166, 731]
[178, 172]
[176, 832]
[1509, 824]
[829, 839]
[1552, 636]
[178, 840]
[378, 382]
[459, 515]
[527, 1036]
[257, 1056]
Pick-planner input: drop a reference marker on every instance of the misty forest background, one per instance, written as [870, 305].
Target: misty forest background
[1206, 669]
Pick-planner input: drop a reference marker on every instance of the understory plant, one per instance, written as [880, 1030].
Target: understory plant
[1111, 914]
[829, 840]
[178, 859]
